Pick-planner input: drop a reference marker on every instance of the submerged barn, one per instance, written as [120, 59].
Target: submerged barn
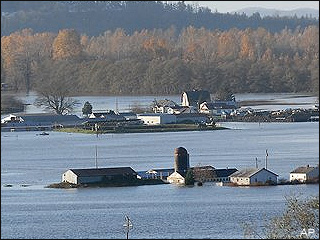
[254, 176]
[118, 175]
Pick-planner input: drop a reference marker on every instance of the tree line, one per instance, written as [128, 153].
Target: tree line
[95, 17]
[162, 61]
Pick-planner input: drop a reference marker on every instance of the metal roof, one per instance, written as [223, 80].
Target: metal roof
[248, 172]
[87, 172]
[50, 118]
[199, 96]
[305, 169]
[224, 172]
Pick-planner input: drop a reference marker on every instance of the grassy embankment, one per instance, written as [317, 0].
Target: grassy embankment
[145, 129]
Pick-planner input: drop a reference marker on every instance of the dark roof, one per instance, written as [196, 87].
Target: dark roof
[305, 169]
[161, 170]
[186, 115]
[50, 118]
[166, 102]
[248, 172]
[207, 167]
[198, 96]
[85, 172]
[107, 116]
[224, 172]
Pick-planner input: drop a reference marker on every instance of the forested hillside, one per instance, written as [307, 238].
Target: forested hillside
[162, 60]
[95, 17]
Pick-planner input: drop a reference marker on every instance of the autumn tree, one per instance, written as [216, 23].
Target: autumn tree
[67, 45]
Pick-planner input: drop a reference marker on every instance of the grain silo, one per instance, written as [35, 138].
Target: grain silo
[181, 160]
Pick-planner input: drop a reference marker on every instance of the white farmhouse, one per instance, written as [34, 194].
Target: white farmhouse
[304, 174]
[176, 178]
[254, 176]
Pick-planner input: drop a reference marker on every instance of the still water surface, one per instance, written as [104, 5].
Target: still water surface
[29, 162]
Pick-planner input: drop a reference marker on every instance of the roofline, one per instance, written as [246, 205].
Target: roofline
[261, 170]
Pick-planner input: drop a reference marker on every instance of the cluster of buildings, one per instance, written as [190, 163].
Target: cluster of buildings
[178, 174]
[196, 107]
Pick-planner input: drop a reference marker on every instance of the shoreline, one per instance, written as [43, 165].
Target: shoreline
[146, 129]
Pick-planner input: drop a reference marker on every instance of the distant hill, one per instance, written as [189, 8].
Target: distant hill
[299, 12]
[96, 17]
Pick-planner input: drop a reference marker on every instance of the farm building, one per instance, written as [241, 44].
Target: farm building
[157, 118]
[192, 118]
[211, 174]
[118, 175]
[155, 173]
[254, 176]
[107, 116]
[218, 108]
[181, 166]
[40, 119]
[176, 178]
[305, 174]
[195, 98]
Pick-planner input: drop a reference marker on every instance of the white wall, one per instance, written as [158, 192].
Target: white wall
[157, 119]
[176, 178]
[70, 177]
[302, 177]
[298, 176]
[240, 180]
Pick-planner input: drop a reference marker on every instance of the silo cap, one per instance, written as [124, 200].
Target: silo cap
[180, 150]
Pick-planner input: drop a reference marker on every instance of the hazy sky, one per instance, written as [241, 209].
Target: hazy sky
[229, 6]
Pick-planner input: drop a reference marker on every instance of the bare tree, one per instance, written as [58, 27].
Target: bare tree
[55, 96]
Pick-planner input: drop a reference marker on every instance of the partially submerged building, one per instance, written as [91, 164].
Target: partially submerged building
[155, 173]
[210, 174]
[254, 176]
[117, 175]
[305, 174]
[181, 166]
[39, 121]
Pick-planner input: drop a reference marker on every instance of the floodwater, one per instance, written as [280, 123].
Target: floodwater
[29, 162]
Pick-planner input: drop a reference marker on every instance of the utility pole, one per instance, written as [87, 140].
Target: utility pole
[96, 157]
[127, 225]
[96, 127]
[267, 158]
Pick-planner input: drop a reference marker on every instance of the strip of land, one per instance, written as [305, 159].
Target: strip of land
[145, 128]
